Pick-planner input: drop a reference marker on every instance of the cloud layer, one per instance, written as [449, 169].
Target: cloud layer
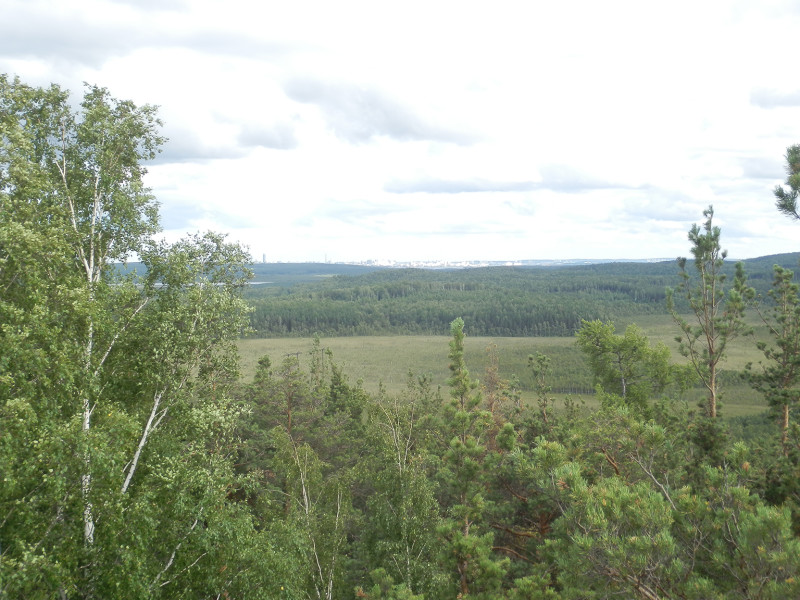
[360, 130]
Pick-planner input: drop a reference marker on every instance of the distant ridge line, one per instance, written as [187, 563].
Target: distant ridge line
[458, 264]
[465, 264]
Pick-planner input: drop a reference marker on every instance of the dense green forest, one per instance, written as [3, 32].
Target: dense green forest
[331, 300]
[135, 462]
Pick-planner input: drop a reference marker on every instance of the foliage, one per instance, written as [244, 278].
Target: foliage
[786, 200]
[615, 539]
[719, 314]
[401, 514]
[779, 376]
[466, 543]
[115, 386]
[540, 365]
[134, 463]
[495, 301]
[626, 364]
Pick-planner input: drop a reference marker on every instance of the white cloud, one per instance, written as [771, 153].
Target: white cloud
[356, 130]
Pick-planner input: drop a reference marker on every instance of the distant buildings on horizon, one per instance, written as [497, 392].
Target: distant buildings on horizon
[461, 264]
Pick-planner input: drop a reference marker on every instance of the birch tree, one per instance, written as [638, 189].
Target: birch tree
[398, 541]
[114, 383]
[626, 365]
[318, 512]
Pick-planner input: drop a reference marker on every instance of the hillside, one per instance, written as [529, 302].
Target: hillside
[342, 300]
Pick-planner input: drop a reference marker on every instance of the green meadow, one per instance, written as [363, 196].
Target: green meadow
[387, 360]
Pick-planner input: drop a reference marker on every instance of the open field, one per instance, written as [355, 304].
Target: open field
[387, 360]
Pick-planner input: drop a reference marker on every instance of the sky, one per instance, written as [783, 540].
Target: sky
[421, 131]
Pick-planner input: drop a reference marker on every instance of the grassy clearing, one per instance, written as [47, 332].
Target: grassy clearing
[661, 328]
[387, 360]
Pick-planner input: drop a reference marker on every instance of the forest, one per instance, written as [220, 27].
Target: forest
[136, 462]
[494, 301]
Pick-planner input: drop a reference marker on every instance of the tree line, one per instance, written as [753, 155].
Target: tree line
[495, 301]
[134, 462]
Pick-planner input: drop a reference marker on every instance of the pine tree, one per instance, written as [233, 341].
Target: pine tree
[786, 200]
[467, 540]
[779, 376]
[719, 314]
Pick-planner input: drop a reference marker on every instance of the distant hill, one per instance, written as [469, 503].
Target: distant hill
[334, 300]
[539, 298]
[293, 273]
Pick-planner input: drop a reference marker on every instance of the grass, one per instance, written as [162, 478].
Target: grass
[387, 360]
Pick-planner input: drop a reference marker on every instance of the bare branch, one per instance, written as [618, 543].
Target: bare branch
[148, 428]
[172, 556]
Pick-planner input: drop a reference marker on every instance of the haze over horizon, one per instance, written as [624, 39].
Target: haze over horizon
[483, 262]
[449, 131]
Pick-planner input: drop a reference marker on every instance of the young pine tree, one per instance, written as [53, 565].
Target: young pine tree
[717, 312]
[467, 541]
[779, 376]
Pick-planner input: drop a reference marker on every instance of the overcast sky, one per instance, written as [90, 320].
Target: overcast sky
[341, 131]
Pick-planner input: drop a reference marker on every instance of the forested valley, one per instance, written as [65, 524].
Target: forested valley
[136, 462]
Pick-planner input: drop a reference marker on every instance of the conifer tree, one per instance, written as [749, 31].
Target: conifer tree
[467, 541]
[718, 314]
[779, 376]
[786, 199]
